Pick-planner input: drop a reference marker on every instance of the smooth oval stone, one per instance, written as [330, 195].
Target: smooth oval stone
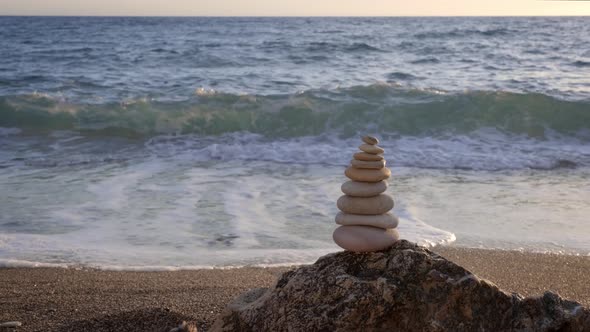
[368, 164]
[363, 189]
[370, 140]
[364, 238]
[367, 175]
[363, 156]
[365, 205]
[372, 149]
[385, 221]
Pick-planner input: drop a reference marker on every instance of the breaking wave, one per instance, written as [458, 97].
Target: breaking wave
[378, 108]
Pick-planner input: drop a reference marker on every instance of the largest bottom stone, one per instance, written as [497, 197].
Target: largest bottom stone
[364, 238]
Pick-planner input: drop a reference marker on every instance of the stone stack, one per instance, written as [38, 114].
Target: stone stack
[366, 223]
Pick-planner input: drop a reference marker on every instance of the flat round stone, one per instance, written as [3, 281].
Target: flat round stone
[385, 221]
[364, 238]
[363, 156]
[367, 175]
[370, 140]
[372, 149]
[363, 189]
[368, 164]
[379, 204]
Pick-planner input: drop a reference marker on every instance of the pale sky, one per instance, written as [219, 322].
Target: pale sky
[294, 8]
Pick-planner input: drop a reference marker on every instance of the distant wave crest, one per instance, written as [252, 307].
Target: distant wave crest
[581, 63]
[456, 33]
[374, 108]
[329, 47]
[398, 75]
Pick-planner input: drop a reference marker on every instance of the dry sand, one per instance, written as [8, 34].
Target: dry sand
[51, 299]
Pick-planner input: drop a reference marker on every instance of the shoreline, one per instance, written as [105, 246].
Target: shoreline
[67, 299]
[457, 253]
[439, 248]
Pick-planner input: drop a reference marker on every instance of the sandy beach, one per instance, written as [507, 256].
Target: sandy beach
[52, 299]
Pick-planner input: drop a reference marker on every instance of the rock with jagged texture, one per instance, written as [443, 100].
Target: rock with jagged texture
[404, 288]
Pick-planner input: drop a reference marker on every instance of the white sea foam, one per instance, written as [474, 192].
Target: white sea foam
[242, 200]
[488, 149]
[417, 231]
[15, 263]
[149, 217]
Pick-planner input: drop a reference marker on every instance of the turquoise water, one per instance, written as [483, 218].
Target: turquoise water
[159, 143]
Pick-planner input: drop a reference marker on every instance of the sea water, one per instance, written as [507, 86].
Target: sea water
[163, 143]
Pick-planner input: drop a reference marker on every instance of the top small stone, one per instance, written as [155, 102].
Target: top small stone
[370, 140]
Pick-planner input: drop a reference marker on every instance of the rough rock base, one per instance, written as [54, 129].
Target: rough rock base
[404, 288]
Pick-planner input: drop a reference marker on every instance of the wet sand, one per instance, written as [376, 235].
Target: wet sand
[54, 299]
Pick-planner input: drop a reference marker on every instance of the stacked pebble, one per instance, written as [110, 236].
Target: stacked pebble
[367, 224]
